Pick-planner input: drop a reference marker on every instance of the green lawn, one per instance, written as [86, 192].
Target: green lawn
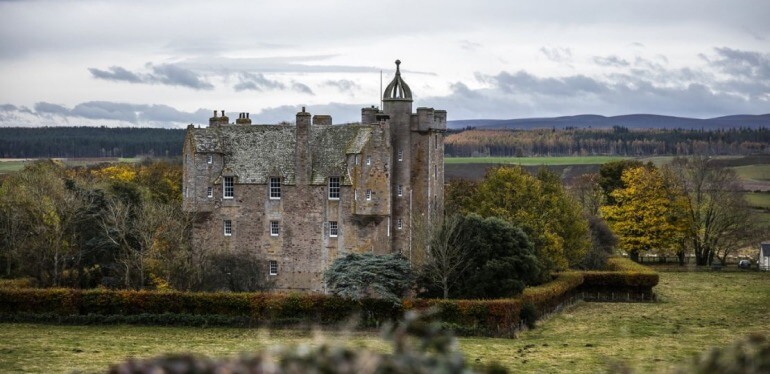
[10, 166]
[758, 172]
[758, 200]
[696, 311]
[535, 161]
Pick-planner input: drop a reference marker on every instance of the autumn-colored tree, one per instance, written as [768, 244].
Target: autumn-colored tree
[648, 213]
[610, 176]
[549, 217]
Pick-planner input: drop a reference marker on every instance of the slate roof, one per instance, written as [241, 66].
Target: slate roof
[764, 249]
[255, 153]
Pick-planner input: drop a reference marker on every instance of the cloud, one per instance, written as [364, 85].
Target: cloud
[301, 88]
[742, 64]
[101, 113]
[557, 54]
[611, 61]
[256, 82]
[344, 85]
[167, 74]
[115, 73]
[525, 83]
[177, 76]
[340, 112]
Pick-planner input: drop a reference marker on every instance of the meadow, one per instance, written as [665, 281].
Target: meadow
[535, 161]
[695, 311]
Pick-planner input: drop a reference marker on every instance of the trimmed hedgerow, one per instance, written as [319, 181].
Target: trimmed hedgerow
[501, 317]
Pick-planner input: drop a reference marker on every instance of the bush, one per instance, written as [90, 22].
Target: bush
[361, 275]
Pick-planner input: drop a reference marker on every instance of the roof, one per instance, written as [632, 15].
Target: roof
[764, 250]
[255, 153]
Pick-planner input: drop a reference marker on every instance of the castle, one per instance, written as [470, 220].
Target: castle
[303, 195]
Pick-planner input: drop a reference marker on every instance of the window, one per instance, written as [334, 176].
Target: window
[435, 142]
[273, 267]
[334, 188]
[333, 229]
[210, 192]
[228, 227]
[400, 224]
[210, 159]
[435, 171]
[368, 160]
[368, 194]
[275, 228]
[275, 188]
[400, 190]
[228, 188]
[401, 155]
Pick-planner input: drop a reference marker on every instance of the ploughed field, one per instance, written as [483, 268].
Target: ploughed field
[696, 311]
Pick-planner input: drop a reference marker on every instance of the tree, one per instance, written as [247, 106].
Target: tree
[446, 258]
[647, 214]
[719, 218]
[501, 259]
[610, 176]
[540, 207]
[360, 275]
[588, 193]
[603, 242]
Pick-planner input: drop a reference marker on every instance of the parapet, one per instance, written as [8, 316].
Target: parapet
[428, 119]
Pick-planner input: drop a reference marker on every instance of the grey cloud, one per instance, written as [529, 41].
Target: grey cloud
[611, 61]
[344, 85]
[341, 113]
[8, 107]
[167, 74]
[557, 54]
[523, 82]
[256, 82]
[302, 88]
[48, 108]
[469, 45]
[106, 110]
[744, 64]
[115, 73]
[177, 76]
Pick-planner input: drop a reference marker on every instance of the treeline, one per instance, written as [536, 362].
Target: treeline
[71, 142]
[618, 141]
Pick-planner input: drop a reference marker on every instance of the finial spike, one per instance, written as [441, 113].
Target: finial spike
[398, 63]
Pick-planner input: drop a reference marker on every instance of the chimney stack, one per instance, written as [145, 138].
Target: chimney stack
[302, 153]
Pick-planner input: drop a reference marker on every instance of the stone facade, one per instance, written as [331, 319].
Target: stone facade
[302, 195]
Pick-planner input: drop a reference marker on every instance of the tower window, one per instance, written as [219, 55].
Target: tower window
[228, 188]
[228, 227]
[399, 224]
[400, 190]
[210, 159]
[435, 171]
[368, 160]
[435, 142]
[333, 229]
[334, 188]
[368, 194]
[273, 267]
[275, 188]
[210, 191]
[401, 155]
[275, 228]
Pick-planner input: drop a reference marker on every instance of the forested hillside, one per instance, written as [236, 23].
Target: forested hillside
[70, 142]
[616, 141]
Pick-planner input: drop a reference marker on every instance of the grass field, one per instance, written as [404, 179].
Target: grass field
[696, 311]
[758, 200]
[14, 165]
[754, 172]
[534, 161]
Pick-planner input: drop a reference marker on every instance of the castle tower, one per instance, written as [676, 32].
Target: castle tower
[417, 179]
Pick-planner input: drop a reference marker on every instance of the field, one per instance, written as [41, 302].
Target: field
[10, 165]
[534, 161]
[696, 311]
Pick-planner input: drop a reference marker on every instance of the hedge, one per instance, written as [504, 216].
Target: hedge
[500, 317]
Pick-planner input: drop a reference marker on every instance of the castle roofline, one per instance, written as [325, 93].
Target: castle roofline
[397, 90]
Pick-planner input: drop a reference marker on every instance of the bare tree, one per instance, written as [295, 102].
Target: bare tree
[588, 193]
[719, 215]
[445, 257]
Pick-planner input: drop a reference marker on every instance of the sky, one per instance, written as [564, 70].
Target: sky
[171, 63]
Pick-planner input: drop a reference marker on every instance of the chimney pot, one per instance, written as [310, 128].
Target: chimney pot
[223, 113]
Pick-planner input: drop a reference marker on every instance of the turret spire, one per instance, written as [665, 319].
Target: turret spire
[397, 89]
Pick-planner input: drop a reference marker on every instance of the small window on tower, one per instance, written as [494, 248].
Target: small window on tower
[210, 191]
[228, 227]
[399, 224]
[401, 155]
[368, 194]
[400, 190]
[210, 159]
[273, 267]
[368, 160]
[333, 229]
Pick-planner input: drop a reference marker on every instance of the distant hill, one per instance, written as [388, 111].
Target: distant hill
[631, 121]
